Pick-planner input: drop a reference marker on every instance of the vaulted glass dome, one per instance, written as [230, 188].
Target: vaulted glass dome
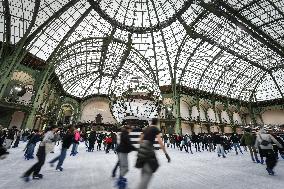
[228, 47]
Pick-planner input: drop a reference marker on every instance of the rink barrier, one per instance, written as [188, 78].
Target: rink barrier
[135, 137]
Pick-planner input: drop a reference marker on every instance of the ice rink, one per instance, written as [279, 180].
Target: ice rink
[202, 170]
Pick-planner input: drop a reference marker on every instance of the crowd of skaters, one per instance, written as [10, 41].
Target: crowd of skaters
[264, 147]
[74, 136]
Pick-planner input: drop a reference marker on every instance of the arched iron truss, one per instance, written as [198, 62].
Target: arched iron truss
[233, 48]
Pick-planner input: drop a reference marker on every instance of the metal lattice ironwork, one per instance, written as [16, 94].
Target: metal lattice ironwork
[233, 48]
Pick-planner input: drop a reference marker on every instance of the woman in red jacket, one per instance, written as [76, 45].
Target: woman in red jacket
[108, 141]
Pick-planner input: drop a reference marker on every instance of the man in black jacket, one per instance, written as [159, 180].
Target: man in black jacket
[92, 139]
[219, 141]
[123, 149]
[10, 137]
[66, 143]
[36, 137]
[236, 143]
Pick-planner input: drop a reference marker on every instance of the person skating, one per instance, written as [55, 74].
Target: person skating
[184, 143]
[66, 143]
[92, 139]
[10, 137]
[264, 142]
[165, 139]
[3, 152]
[36, 137]
[195, 141]
[236, 143]
[114, 141]
[219, 142]
[76, 141]
[45, 147]
[249, 140]
[99, 141]
[108, 142]
[123, 149]
[17, 138]
[276, 148]
[172, 141]
[146, 157]
[210, 143]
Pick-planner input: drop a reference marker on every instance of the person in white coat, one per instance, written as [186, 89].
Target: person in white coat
[264, 142]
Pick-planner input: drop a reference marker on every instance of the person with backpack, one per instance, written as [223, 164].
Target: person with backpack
[264, 142]
[146, 157]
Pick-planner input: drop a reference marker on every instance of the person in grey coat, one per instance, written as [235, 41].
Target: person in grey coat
[44, 147]
[264, 142]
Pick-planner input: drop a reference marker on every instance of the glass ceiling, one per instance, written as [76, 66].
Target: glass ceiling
[233, 48]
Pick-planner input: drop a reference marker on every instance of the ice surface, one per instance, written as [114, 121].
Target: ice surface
[201, 170]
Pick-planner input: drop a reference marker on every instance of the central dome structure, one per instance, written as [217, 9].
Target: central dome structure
[141, 16]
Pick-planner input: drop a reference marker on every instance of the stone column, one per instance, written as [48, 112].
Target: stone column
[177, 114]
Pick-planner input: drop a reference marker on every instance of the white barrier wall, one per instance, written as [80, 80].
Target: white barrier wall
[135, 138]
[95, 107]
[228, 130]
[215, 129]
[185, 128]
[17, 119]
[273, 117]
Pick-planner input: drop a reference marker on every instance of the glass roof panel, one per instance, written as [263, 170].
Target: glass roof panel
[267, 90]
[142, 13]
[119, 42]
[44, 44]
[279, 75]
[266, 15]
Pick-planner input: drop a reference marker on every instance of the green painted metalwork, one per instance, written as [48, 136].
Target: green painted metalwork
[180, 49]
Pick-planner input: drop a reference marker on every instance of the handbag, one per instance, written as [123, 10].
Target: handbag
[263, 142]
